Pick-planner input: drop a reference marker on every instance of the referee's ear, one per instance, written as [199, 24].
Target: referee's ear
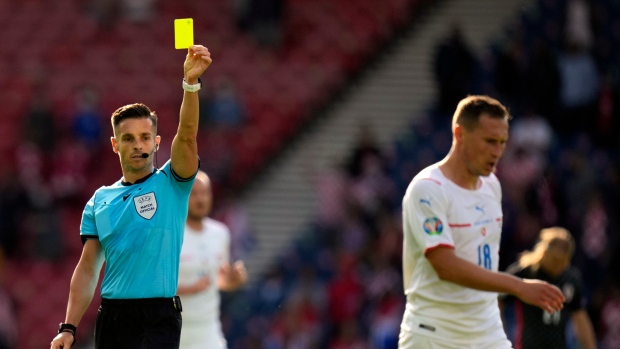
[114, 144]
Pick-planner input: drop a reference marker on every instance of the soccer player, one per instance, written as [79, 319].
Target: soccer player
[136, 226]
[550, 261]
[452, 220]
[204, 270]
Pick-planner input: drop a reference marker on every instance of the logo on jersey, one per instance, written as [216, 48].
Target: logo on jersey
[146, 205]
[433, 226]
[569, 292]
[479, 208]
[426, 201]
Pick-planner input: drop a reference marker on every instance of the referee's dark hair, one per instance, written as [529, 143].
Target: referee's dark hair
[133, 111]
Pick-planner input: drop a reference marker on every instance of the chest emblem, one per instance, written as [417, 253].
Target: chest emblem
[146, 205]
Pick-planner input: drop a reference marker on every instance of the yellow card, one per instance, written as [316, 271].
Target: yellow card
[183, 33]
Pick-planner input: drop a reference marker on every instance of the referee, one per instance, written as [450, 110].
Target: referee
[136, 226]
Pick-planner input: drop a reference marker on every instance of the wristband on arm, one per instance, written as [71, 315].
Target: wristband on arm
[67, 328]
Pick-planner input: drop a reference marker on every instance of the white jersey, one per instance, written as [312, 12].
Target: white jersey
[437, 212]
[202, 254]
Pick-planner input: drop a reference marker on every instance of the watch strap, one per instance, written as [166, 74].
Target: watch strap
[192, 88]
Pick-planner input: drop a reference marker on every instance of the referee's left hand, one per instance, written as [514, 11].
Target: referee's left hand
[63, 340]
[198, 59]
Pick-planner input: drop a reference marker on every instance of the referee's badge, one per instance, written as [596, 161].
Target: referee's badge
[146, 205]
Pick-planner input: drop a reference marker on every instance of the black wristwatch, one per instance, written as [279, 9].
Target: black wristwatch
[67, 328]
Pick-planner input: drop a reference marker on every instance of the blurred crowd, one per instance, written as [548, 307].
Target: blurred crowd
[340, 285]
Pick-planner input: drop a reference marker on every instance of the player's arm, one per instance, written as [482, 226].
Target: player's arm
[232, 277]
[584, 330]
[449, 267]
[200, 285]
[82, 289]
[184, 153]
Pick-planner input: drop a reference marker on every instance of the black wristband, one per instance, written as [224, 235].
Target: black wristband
[68, 328]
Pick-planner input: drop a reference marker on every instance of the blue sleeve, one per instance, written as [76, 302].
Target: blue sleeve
[88, 228]
[184, 184]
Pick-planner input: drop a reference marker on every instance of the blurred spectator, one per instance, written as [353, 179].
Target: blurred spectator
[385, 317]
[365, 146]
[216, 147]
[510, 67]
[39, 126]
[224, 109]
[265, 19]
[14, 203]
[138, 11]
[609, 321]
[578, 27]
[345, 291]
[594, 242]
[296, 326]
[578, 89]
[104, 12]
[87, 118]
[70, 172]
[372, 186]
[8, 315]
[607, 123]
[454, 69]
[581, 179]
[241, 10]
[348, 336]
[532, 133]
[331, 186]
[41, 235]
[107, 12]
[232, 213]
[542, 81]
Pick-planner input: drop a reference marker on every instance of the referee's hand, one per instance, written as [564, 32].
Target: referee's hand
[63, 340]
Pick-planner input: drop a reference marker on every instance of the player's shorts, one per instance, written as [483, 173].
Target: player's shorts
[201, 335]
[411, 340]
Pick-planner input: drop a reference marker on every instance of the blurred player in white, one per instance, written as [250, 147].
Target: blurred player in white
[204, 270]
[452, 221]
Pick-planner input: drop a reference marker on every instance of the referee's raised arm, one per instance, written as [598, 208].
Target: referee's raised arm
[184, 153]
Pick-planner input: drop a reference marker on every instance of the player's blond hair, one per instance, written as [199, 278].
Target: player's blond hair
[554, 237]
[469, 109]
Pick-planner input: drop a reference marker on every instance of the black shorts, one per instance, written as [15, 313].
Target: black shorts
[149, 323]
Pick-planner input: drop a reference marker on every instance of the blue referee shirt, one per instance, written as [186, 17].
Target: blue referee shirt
[140, 227]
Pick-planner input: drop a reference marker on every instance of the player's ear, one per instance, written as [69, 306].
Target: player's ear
[458, 133]
[157, 140]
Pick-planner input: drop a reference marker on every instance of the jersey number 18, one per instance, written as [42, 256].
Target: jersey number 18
[484, 256]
